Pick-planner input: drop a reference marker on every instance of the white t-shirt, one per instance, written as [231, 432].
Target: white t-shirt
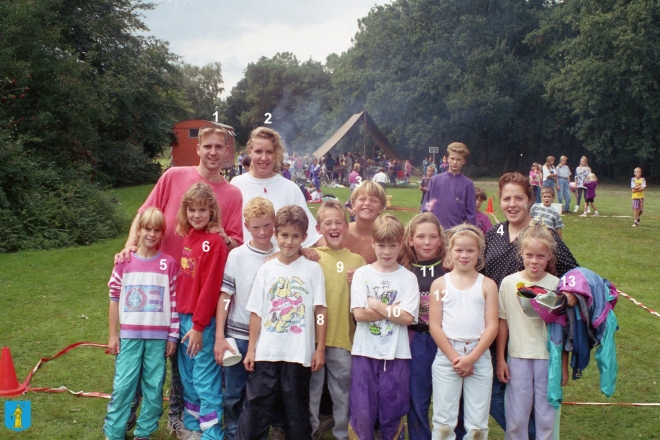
[527, 336]
[547, 170]
[281, 192]
[240, 272]
[384, 339]
[284, 296]
[380, 178]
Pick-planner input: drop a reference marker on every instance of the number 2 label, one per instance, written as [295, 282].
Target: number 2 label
[268, 116]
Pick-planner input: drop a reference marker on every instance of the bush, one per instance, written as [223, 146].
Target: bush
[44, 207]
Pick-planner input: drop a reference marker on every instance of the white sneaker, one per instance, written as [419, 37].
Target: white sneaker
[595, 214]
[576, 208]
[583, 215]
[588, 210]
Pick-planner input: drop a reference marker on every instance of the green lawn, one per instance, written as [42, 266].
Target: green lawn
[50, 299]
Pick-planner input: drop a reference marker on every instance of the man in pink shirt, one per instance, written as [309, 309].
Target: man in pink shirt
[166, 196]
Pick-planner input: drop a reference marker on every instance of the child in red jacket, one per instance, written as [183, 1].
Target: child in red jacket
[198, 286]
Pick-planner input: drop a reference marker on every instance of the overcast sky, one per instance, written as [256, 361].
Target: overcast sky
[240, 32]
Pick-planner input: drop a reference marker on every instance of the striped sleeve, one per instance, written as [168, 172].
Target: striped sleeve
[174, 316]
[115, 282]
[228, 279]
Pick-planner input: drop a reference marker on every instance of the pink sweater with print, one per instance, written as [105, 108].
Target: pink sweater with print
[145, 290]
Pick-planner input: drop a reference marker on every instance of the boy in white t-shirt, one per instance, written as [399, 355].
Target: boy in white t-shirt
[384, 301]
[240, 272]
[288, 311]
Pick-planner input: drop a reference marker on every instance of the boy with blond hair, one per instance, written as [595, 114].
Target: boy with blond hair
[384, 301]
[546, 213]
[240, 272]
[637, 184]
[450, 196]
[367, 203]
[288, 311]
[338, 264]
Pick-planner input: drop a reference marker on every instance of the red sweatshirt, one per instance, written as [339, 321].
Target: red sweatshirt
[198, 286]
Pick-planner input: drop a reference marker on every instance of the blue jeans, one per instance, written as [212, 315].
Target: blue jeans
[235, 378]
[537, 193]
[423, 351]
[564, 194]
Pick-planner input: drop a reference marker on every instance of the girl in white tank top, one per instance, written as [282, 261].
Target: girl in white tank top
[463, 319]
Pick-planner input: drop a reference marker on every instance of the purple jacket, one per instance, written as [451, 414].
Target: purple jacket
[591, 189]
[451, 199]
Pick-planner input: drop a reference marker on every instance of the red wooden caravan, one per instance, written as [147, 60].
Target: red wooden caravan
[184, 149]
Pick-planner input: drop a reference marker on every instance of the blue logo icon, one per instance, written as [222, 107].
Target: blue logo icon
[18, 415]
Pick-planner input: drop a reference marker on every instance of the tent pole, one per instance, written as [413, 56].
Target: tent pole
[364, 137]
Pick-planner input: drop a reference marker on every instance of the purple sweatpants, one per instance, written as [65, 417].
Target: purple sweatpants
[379, 392]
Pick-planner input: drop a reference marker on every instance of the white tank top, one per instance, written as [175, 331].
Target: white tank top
[463, 311]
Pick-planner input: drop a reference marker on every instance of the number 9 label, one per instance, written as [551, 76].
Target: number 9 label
[340, 266]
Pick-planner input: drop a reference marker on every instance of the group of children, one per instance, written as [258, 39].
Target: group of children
[416, 322]
[585, 183]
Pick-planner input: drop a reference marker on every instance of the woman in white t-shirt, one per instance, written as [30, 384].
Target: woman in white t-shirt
[266, 151]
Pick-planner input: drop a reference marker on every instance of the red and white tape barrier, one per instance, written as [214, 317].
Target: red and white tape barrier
[634, 301]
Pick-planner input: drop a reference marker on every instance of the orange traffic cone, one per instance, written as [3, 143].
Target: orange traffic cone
[489, 209]
[9, 385]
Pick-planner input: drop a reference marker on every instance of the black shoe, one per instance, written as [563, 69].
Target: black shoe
[132, 421]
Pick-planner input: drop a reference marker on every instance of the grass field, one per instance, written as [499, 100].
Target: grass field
[50, 299]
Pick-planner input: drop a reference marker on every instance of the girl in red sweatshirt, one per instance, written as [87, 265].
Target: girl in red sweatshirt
[202, 266]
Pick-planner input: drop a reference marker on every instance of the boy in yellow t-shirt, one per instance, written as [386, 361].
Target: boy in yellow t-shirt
[338, 265]
[637, 184]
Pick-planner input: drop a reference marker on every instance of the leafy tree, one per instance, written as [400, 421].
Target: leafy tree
[85, 101]
[202, 87]
[603, 59]
[294, 93]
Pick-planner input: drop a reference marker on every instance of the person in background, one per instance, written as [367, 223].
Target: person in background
[564, 191]
[535, 176]
[637, 184]
[363, 165]
[450, 195]
[424, 185]
[581, 174]
[591, 183]
[330, 166]
[546, 213]
[549, 172]
[285, 171]
[354, 178]
[483, 222]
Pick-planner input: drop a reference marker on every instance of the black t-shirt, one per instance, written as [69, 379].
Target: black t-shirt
[426, 272]
[503, 257]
